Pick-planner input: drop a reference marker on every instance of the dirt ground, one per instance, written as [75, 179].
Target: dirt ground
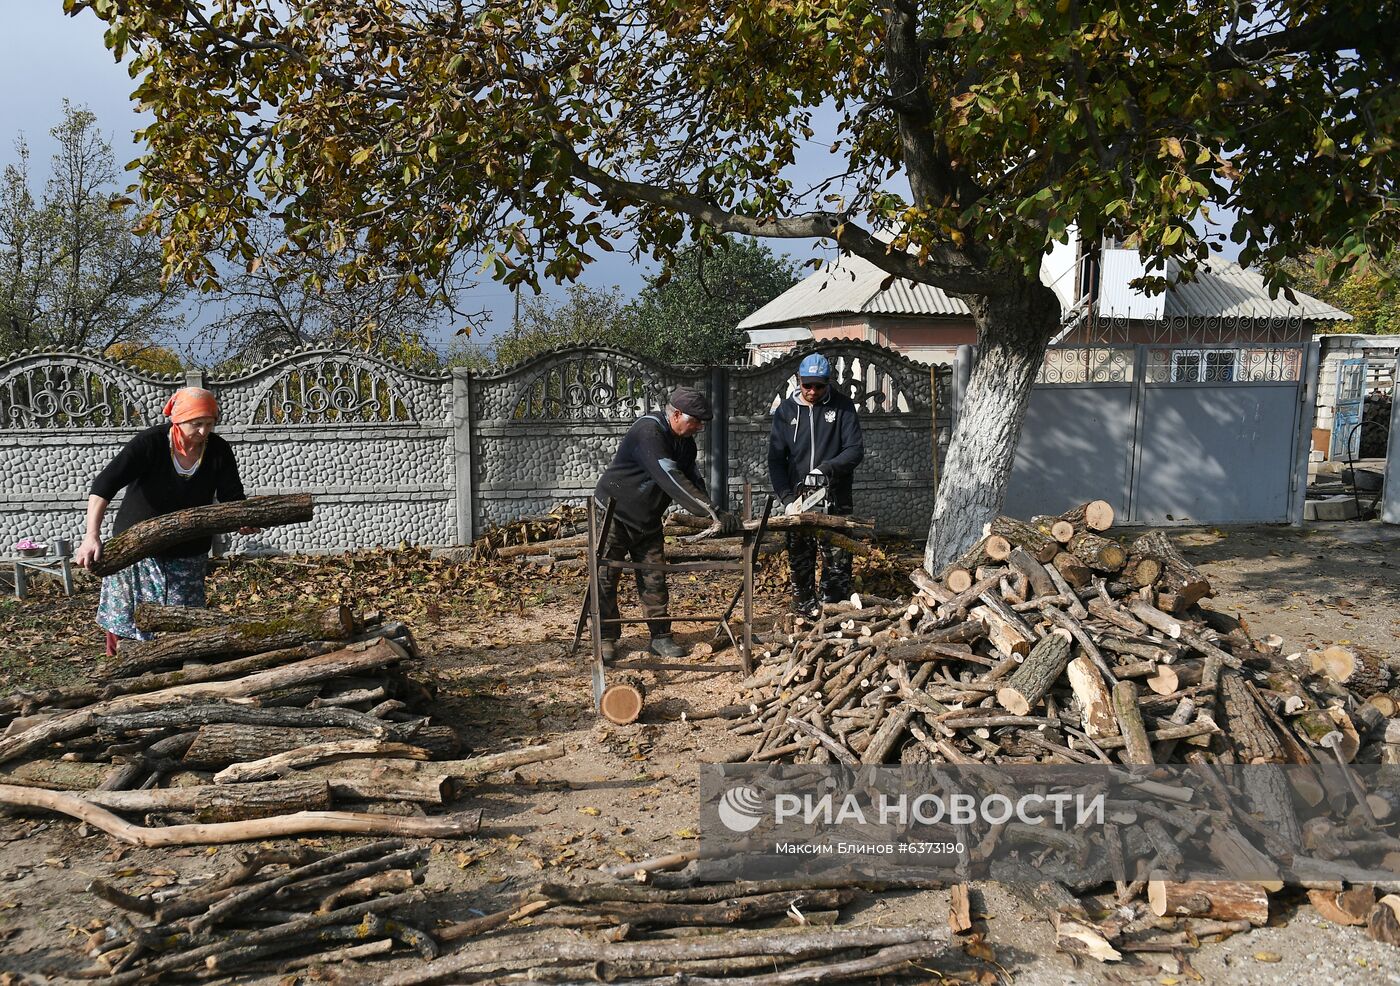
[496, 645]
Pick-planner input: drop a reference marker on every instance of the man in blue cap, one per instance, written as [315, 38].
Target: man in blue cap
[815, 443]
[654, 467]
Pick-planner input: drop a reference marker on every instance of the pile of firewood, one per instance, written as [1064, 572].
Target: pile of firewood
[229, 729]
[1050, 643]
[511, 538]
[275, 911]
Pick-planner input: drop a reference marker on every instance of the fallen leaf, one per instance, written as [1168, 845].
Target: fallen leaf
[1267, 957]
[589, 810]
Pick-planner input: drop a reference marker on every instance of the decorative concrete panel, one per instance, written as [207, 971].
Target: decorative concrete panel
[392, 455]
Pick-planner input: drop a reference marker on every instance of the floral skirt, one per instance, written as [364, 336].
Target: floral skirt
[166, 581]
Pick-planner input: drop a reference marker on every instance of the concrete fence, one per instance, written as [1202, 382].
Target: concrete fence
[396, 456]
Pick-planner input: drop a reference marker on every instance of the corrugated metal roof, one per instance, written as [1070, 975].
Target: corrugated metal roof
[1225, 289]
[851, 286]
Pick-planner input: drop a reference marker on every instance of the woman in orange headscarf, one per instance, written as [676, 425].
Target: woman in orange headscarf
[163, 469]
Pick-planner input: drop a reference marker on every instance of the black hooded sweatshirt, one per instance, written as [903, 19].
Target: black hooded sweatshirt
[823, 436]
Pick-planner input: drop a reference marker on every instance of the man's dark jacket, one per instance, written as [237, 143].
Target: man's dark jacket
[823, 436]
[653, 467]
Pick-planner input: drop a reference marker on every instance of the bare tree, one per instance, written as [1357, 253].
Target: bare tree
[73, 271]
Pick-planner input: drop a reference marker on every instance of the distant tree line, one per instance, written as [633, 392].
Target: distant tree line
[77, 269]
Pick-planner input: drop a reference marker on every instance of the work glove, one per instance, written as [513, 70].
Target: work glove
[729, 523]
[815, 480]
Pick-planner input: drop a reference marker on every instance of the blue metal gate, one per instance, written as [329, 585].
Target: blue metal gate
[1169, 434]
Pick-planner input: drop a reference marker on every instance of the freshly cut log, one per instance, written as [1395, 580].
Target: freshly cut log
[1180, 580]
[1007, 637]
[1060, 530]
[227, 743]
[1074, 571]
[160, 534]
[1041, 669]
[1363, 672]
[1097, 552]
[219, 802]
[1142, 572]
[236, 639]
[1219, 899]
[1155, 618]
[1042, 547]
[1096, 515]
[1040, 581]
[155, 618]
[622, 700]
[1385, 704]
[957, 579]
[990, 550]
[1095, 703]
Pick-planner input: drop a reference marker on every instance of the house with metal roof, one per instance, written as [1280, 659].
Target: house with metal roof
[851, 299]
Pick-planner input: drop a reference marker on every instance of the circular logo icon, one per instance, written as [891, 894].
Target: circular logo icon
[741, 808]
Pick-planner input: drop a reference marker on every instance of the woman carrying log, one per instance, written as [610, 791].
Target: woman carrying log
[165, 468]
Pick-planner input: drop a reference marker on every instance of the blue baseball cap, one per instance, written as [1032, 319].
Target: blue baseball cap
[814, 367]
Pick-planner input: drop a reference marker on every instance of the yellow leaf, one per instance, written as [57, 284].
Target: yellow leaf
[687, 834]
[1267, 957]
[590, 811]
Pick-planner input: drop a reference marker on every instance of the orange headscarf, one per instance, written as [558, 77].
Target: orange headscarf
[188, 404]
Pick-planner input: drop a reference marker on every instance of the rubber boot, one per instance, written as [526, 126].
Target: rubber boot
[667, 647]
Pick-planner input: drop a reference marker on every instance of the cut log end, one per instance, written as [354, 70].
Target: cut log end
[1220, 899]
[622, 703]
[958, 580]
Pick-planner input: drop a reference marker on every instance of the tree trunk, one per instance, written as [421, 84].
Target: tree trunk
[151, 537]
[1014, 328]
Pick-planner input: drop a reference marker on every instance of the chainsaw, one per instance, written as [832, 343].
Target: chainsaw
[804, 504]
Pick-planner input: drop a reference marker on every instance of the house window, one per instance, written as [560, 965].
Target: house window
[1203, 366]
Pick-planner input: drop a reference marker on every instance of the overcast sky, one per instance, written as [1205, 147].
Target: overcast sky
[46, 57]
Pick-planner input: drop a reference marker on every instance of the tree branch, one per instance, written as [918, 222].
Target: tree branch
[810, 225]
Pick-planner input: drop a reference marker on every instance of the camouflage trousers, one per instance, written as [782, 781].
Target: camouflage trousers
[623, 544]
[802, 560]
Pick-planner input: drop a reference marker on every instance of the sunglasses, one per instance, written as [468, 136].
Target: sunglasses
[813, 386]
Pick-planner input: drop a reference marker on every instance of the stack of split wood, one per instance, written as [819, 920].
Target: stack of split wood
[1052, 643]
[275, 911]
[229, 729]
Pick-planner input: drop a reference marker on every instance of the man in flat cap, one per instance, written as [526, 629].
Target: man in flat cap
[654, 467]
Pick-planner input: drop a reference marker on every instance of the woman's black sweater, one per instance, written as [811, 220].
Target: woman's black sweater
[144, 468]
